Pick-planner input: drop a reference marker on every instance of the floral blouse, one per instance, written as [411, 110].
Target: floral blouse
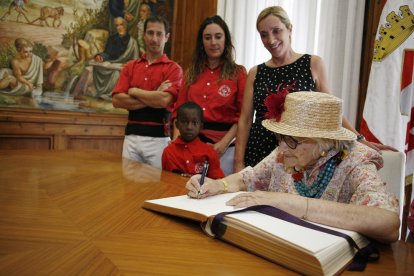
[355, 180]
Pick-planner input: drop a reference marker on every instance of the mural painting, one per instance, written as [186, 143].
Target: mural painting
[68, 54]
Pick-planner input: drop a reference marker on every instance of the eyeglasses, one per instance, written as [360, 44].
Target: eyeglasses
[289, 140]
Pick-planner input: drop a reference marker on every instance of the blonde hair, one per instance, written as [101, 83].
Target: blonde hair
[276, 11]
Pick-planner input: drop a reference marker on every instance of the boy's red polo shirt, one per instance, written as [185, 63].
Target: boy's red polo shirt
[184, 157]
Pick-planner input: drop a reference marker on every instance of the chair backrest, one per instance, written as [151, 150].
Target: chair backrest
[393, 173]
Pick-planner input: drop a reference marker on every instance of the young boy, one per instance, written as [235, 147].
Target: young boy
[187, 154]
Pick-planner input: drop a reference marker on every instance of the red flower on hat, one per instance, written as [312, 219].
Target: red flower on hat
[275, 102]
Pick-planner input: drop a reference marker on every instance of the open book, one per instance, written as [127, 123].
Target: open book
[299, 248]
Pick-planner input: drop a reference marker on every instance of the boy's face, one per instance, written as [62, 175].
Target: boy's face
[189, 124]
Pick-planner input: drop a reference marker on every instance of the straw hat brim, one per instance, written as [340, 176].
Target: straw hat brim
[341, 134]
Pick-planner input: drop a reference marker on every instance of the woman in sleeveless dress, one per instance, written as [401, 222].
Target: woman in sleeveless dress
[285, 70]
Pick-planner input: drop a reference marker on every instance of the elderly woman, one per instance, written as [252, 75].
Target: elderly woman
[318, 171]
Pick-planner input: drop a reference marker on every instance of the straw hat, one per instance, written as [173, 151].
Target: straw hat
[311, 115]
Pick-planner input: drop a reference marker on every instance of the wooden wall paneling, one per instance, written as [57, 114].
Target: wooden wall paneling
[20, 115]
[8, 142]
[60, 141]
[39, 129]
[373, 9]
[47, 128]
[188, 15]
[107, 143]
[178, 31]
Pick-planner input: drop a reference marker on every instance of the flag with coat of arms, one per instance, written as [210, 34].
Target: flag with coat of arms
[388, 116]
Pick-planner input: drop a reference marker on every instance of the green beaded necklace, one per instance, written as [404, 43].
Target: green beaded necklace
[324, 177]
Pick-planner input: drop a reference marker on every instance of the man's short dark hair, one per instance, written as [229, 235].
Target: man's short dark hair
[157, 19]
[190, 105]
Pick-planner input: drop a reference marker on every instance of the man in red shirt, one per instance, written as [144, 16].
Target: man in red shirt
[187, 153]
[148, 88]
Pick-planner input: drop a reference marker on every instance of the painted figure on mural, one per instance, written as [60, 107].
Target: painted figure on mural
[159, 7]
[120, 48]
[144, 13]
[54, 14]
[117, 44]
[125, 9]
[117, 8]
[26, 74]
[18, 6]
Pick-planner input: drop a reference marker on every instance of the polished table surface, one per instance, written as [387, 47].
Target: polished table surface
[73, 212]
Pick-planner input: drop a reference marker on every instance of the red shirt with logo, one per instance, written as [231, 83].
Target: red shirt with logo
[139, 73]
[189, 157]
[221, 101]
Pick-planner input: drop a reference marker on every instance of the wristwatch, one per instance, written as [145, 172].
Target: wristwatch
[360, 137]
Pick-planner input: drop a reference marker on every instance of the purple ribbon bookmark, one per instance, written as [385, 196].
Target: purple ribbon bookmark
[364, 255]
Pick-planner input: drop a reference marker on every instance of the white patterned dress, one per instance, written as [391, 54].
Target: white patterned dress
[355, 180]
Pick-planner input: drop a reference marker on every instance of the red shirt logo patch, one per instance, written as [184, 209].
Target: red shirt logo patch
[224, 91]
[198, 167]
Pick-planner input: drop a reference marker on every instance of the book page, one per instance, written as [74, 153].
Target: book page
[207, 206]
[308, 239]
[311, 240]
[273, 238]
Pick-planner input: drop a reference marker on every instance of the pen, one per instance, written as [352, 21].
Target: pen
[203, 173]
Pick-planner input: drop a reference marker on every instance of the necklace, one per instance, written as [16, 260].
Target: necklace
[324, 177]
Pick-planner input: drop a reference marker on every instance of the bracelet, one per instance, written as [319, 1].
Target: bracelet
[360, 137]
[305, 216]
[226, 185]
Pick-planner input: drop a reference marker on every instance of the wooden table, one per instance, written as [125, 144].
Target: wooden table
[70, 212]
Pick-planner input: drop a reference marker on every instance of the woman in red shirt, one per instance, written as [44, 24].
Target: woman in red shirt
[216, 83]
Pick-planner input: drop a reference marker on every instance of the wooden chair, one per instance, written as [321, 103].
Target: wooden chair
[393, 173]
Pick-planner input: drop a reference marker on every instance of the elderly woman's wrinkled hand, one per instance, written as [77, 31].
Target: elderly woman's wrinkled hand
[256, 198]
[209, 188]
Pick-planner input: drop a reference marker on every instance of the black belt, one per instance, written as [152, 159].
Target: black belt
[217, 126]
[147, 130]
[205, 139]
